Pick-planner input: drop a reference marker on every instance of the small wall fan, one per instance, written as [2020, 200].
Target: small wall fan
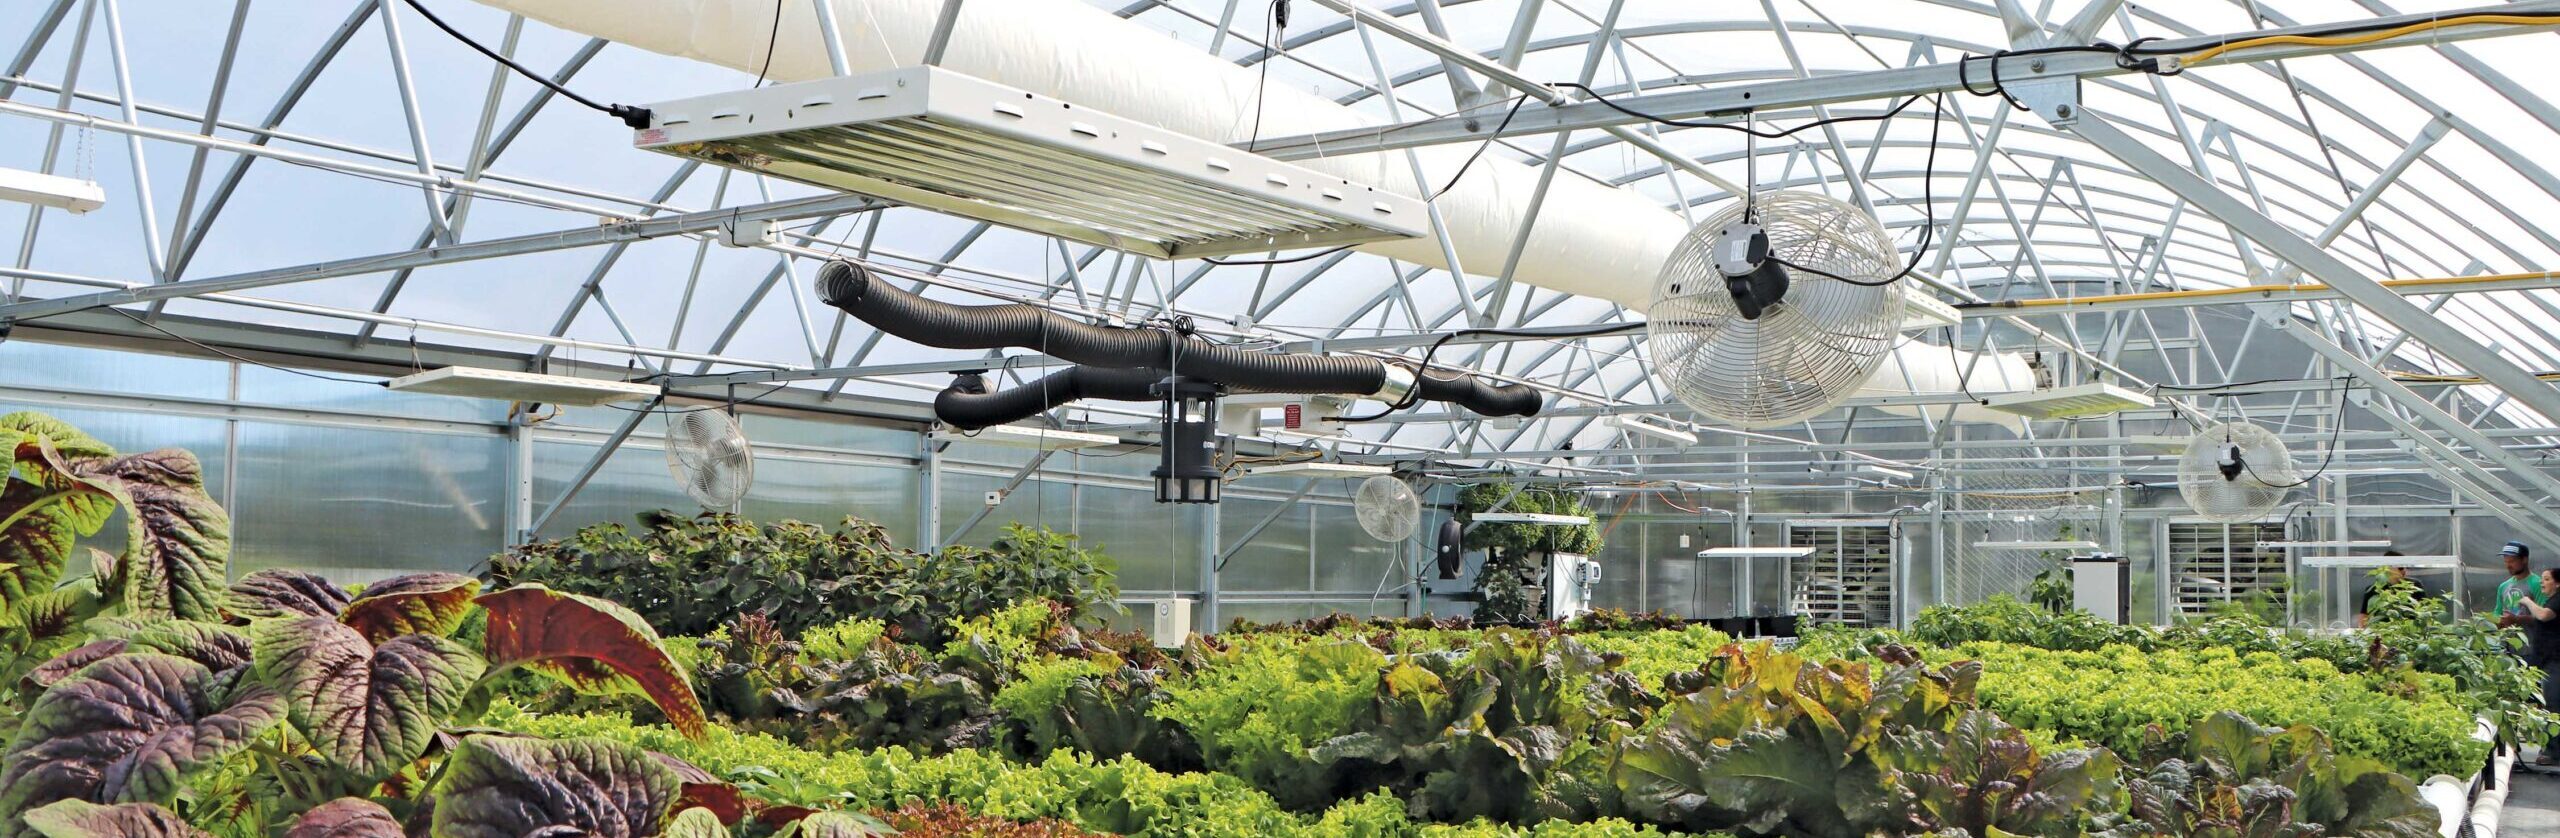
[710, 457]
[2235, 472]
[1775, 310]
[1387, 508]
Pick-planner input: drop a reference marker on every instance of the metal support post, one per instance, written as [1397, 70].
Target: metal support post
[943, 24]
[832, 36]
[594, 464]
[929, 494]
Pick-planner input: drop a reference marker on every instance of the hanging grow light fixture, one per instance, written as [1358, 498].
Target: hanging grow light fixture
[945, 141]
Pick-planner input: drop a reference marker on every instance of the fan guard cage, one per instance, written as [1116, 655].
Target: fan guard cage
[1387, 508]
[2251, 495]
[1807, 353]
[709, 456]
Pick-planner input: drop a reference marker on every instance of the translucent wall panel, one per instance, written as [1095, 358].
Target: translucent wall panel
[1622, 558]
[358, 504]
[1279, 558]
[1157, 545]
[1039, 502]
[26, 364]
[1349, 559]
[259, 385]
[830, 432]
[206, 438]
[805, 487]
[632, 481]
[822, 492]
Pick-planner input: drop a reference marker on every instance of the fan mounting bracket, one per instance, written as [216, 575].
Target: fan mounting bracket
[2056, 98]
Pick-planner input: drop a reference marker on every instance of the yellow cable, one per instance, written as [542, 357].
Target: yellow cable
[2209, 54]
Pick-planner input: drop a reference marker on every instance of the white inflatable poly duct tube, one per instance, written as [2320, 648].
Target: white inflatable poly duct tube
[1590, 239]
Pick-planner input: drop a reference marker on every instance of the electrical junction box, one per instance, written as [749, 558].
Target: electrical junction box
[1172, 624]
[1569, 580]
[2102, 584]
[1317, 415]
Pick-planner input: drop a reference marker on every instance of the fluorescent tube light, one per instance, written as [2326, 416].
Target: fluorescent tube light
[1316, 470]
[1016, 436]
[2073, 402]
[949, 142]
[510, 385]
[56, 191]
[1530, 518]
[2380, 561]
[1755, 552]
[1638, 425]
[2035, 545]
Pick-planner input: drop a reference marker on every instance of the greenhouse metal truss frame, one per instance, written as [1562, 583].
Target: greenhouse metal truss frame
[2355, 326]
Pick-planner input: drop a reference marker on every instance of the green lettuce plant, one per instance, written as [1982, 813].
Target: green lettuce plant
[1765, 742]
[688, 575]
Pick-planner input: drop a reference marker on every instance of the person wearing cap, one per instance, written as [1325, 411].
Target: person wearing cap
[2542, 649]
[2519, 587]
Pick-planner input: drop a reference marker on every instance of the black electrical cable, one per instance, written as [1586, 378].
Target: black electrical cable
[1279, 15]
[2335, 428]
[1727, 126]
[1435, 194]
[770, 39]
[1423, 368]
[631, 115]
[1928, 203]
[200, 345]
[2228, 384]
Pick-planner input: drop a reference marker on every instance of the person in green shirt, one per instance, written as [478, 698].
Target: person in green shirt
[2519, 586]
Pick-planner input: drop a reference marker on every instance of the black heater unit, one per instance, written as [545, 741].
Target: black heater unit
[1189, 471]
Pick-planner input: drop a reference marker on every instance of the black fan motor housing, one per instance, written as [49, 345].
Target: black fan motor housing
[1756, 281]
[2231, 465]
[1450, 551]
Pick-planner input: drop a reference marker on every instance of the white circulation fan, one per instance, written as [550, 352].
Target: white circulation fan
[710, 457]
[1775, 310]
[2236, 472]
[1387, 508]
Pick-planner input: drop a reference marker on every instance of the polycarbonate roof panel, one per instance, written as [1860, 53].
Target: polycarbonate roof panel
[2044, 215]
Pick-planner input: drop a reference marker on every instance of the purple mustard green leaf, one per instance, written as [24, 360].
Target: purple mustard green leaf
[276, 592]
[367, 709]
[345, 817]
[131, 728]
[416, 603]
[83, 819]
[499, 787]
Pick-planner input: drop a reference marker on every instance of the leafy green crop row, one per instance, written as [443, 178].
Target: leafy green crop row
[1109, 795]
[2110, 696]
[689, 575]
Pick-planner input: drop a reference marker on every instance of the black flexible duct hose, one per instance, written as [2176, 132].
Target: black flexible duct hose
[855, 290]
[1120, 361]
[968, 405]
[1478, 395]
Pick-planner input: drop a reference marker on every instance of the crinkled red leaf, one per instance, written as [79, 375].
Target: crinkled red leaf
[417, 603]
[276, 592]
[130, 728]
[590, 644]
[367, 709]
[501, 787]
